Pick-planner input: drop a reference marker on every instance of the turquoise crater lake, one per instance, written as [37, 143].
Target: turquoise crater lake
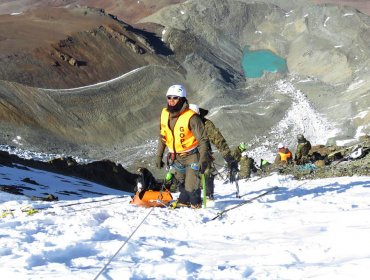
[256, 62]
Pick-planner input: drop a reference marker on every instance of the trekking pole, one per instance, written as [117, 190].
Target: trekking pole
[203, 178]
[237, 186]
[270, 190]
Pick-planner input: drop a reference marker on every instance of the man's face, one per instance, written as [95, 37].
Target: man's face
[172, 100]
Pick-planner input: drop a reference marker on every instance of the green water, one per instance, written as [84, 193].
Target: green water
[254, 63]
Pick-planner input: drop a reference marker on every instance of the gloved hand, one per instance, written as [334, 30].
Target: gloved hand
[159, 163]
[233, 165]
[203, 166]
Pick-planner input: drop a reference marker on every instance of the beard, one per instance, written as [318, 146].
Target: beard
[177, 107]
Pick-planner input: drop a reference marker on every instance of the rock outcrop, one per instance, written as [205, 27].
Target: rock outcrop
[104, 172]
[329, 161]
[74, 47]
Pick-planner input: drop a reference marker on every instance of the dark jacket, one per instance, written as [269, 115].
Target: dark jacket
[303, 149]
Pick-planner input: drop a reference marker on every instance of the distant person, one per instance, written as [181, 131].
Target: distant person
[216, 138]
[246, 164]
[284, 156]
[264, 165]
[182, 132]
[303, 148]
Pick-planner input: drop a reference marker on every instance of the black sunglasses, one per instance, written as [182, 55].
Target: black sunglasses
[173, 97]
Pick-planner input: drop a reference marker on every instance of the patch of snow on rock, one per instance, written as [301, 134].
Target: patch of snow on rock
[38, 156]
[163, 32]
[303, 118]
[326, 20]
[17, 140]
[355, 85]
[361, 115]
[300, 118]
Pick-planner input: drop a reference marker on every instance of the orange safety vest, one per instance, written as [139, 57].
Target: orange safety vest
[285, 156]
[180, 139]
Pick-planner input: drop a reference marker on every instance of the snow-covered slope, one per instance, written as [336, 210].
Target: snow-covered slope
[304, 230]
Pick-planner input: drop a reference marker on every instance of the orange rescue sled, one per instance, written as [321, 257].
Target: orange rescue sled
[149, 198]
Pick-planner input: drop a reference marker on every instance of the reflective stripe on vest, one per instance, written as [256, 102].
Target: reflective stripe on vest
[285, 156]
[181, 139]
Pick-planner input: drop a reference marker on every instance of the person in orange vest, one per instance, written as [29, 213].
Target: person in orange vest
[284, 156]
[182, 132]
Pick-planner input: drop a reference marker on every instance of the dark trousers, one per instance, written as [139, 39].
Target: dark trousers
[210, 184]
[188, 178]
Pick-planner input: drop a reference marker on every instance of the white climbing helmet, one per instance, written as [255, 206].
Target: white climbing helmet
[176, 90]
[194, 108]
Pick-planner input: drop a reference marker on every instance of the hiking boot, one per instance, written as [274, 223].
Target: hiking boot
[178, 204]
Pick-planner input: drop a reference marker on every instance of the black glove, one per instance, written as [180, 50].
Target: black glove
[233, 165]
[234, 175]
[159, 163]
[203, 166]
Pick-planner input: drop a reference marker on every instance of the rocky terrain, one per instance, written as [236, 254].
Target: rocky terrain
[133, 11]
[129, 11]
[325, 93]
[327, 161]
[102, 172]
[79, 46]
[331, 161]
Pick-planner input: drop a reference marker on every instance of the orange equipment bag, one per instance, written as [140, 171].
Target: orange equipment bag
[149, 198]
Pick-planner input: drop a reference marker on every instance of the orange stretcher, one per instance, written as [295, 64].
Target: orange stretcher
[149, 198]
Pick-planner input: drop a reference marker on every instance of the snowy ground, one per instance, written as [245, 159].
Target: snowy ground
[305, 230]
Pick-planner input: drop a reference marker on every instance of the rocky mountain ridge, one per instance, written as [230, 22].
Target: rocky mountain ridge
[79, 46]
[326, 48]
[129, 11]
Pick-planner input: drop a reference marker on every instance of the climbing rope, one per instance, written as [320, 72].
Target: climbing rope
[29, 210]
[123, 245]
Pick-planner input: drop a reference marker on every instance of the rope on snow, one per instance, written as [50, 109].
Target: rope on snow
[127, 240]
